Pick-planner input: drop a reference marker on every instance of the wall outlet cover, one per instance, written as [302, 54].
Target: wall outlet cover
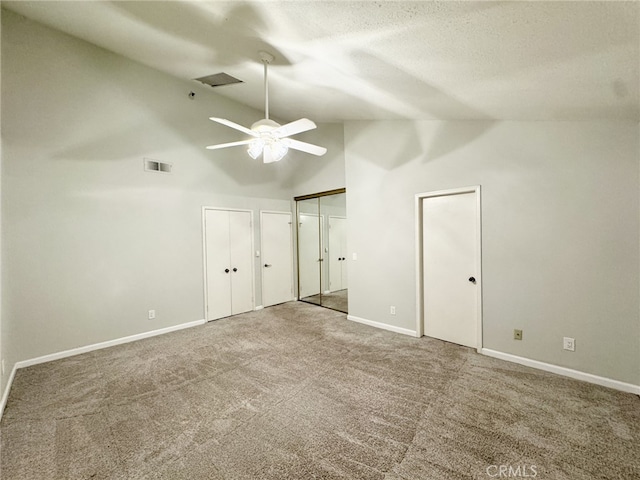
[152, 314]
[517, 334]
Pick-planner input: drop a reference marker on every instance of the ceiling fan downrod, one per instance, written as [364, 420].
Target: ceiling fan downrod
[267, 58]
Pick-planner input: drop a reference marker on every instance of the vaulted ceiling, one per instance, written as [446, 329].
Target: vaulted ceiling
[346, 60]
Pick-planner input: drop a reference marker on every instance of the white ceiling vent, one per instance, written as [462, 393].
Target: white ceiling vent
[218, 79]
[156, 166]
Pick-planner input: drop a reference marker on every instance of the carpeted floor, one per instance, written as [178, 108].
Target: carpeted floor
[338, 300]
[296, 391]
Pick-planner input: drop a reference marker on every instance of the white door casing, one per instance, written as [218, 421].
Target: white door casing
[277, 257]
[449, 266]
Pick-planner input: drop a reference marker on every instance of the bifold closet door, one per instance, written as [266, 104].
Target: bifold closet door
[217, 264]
[241, 252]
[228, 263]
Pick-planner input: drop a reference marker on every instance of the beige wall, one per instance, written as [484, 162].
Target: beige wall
[92, 242]
[560, 203]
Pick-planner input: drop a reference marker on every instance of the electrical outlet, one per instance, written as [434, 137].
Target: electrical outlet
[392, 310]
[569, 343]
[517, 334]
[152, 314]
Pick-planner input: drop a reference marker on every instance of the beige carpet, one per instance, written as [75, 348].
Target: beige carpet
[299, 392]
[338, 300]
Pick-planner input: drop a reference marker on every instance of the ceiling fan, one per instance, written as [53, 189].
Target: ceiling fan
[270, 139]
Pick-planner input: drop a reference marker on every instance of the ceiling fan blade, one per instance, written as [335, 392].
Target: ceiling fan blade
[231, 124]
[292, 128]
[304, 146]
[232, 144]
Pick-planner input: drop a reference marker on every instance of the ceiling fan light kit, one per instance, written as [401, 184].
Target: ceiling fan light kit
[270, 139]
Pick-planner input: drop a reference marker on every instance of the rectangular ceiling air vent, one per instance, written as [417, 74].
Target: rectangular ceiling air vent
[218, 79]
[156, 166]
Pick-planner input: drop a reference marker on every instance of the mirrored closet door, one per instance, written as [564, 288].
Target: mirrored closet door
[322, 249]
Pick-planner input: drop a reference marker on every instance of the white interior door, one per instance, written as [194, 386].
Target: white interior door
[337, 253]
[277, 257]
[450, 267]
[241, 254]
[218, 264]
[309, 255]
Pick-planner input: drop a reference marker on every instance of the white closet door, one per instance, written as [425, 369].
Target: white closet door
[218, 268]
[277, 258]
[241, 254]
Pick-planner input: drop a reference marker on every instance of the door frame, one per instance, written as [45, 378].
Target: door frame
[262, 212]
[419, 201]
[204, 255]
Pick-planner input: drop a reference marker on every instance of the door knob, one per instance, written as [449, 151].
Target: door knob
[472, 279]
[235, 269]
[267, 265]
[226, 270]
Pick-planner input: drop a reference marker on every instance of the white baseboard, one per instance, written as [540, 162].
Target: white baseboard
[5, 394]
[567, 372]
[384, 326]
[259, 307]
[107, 344]
[90, 348]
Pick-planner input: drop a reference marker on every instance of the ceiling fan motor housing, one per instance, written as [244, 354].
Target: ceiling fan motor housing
[264, 125]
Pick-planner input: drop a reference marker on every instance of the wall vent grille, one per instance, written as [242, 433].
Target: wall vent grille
[151, 165]
[219, 80]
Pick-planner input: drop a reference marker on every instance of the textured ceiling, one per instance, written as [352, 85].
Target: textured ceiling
[381, 60]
